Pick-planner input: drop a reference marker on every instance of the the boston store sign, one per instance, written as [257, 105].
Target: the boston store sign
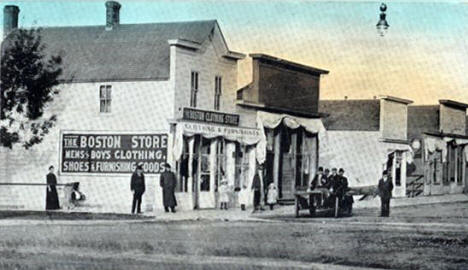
[211, 117]
[112, 153]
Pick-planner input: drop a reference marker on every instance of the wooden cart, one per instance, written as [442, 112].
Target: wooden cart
[321, 200]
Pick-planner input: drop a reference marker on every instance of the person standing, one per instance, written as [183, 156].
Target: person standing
[272, 195]
[385, 191]
[224, 191]
[346, 201]
[342, 184]
[168, 183]
[137, 186]
[52, 201]
[256, 187]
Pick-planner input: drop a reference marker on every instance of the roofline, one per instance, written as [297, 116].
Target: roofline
[184, 43]
[235, 55]
[440, 134]
[104, 26]
[263, 107]
[349, 100]
[68, 81]
[453, 103]
[396, 99]
[288, 63]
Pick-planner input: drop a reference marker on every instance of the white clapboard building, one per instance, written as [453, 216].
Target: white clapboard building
[157, 92]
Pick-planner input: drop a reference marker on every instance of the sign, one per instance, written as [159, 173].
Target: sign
[113, 153]
[211, 117]
[247, 135]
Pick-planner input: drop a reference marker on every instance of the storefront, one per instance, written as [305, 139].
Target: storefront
[445, 158]
[204, 152]
[289, 150]
[286, 146]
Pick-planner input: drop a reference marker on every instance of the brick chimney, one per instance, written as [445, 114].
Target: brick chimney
[10, 18]
[112, 14]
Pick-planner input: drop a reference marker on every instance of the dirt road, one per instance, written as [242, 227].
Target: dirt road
[356, 242]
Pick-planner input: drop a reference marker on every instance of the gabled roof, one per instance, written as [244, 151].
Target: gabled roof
[351, 115]
[127, 52]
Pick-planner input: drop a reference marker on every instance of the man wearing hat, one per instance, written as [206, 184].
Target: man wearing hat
[257, 187]
[137, 186]
[168, 184]
[385, 191]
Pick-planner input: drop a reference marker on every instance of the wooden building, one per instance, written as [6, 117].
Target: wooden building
[438, 137]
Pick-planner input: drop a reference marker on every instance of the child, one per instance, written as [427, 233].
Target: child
[224, 194]
[272, 195]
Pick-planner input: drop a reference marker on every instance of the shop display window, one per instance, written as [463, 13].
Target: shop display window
[459, 165]
[205, 165]
[242, 166]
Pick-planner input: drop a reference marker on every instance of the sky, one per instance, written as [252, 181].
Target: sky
[423, 57]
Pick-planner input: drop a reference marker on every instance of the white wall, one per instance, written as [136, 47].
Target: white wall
[209, 63]
[360, 153]
[136, 106]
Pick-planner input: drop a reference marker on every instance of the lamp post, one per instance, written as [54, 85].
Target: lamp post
[382, 25]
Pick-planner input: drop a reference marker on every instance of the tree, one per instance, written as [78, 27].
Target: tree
[28, 81]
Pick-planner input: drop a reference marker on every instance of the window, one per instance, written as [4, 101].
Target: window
[241, 165]
[451, 161]
[183, 168]
[218, 92]
[194, 89]
[105, 98]
[398, 161]
[460, 165]
[436, 166]
[205, 163]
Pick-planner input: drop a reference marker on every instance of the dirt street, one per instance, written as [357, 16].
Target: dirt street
[422, 237]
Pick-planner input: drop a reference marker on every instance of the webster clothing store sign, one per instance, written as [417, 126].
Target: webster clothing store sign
[113, 153]
[211, 117]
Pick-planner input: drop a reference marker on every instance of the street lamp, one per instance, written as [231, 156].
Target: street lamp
[382, 25]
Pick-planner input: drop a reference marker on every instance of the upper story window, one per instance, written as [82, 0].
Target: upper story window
[194, 89]
[218, 92]
[105, 98]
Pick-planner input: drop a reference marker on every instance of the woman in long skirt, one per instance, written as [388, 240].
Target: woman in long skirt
[52, 201]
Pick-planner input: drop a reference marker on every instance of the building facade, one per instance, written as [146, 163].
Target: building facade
[165, 92]
[438, 136]
[122, 87]
[366, 137]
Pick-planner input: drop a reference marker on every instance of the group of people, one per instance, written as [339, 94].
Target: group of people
[334, 184]
[224, 192]
[168, 183]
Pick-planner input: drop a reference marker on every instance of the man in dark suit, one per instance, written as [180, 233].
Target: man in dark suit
[342, 188]
[318, 179]
[342, 183]
[168, 184]
[385, 191]
[137, 186]
[331, 184]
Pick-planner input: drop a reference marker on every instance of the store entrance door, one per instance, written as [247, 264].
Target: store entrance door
[204, 196]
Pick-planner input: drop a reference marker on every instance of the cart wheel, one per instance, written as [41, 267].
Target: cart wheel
[296, 206]
[337, 207]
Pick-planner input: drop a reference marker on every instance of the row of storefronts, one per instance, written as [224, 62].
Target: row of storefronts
[188, 111]
[285, 146]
